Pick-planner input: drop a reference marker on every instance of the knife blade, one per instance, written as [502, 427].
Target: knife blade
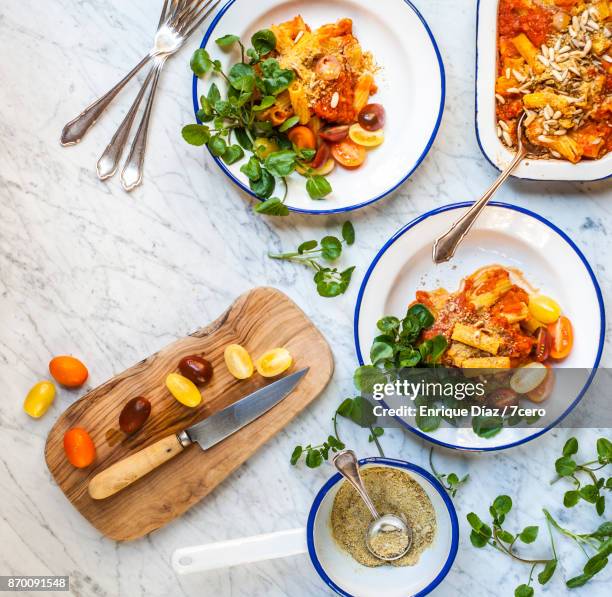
[206, 434]
[233, 418]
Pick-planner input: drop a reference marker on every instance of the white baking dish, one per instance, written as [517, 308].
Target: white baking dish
[492, 148]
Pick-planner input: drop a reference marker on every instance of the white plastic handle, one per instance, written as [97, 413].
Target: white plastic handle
[247, 550]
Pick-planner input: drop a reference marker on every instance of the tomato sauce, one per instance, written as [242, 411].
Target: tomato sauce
[343, 112]
[515, 343]
[514, 18]
[509, 110]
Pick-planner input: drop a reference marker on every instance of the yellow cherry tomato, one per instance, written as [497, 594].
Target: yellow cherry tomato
[544, 309]
[366, 138]
[238, 361]
[264, 147]
[274, 362]
[184, 390]
[324, 170]
[39, 399]
[528, 378]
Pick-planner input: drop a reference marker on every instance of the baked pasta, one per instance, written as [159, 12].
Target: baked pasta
[298, 100]
[555, 65]
[495, 321]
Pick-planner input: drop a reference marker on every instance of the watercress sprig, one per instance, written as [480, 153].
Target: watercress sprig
[592, 492]
[497, 536]
[359, 411]
[596, 545]
[253, 85]
[329, 281]
[451, 481]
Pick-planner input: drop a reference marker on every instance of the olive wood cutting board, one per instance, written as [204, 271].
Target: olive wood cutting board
[261, 319]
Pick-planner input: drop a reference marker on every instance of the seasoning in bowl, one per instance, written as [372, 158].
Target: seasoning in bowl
[393, 491]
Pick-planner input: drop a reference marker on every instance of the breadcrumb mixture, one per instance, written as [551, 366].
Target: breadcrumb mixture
[393, 492]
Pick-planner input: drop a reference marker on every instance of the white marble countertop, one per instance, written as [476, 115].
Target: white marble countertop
[89, 270]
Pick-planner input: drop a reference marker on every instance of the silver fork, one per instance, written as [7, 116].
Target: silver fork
[178, 20]
[189, 18]
[446, 245]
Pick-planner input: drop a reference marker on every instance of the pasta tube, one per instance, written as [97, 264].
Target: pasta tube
[478, 338]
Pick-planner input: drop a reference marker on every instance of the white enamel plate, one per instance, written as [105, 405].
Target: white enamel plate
[411, 88]
[505, 235]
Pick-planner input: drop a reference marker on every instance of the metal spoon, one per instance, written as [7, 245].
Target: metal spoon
[348, 466]
[445, 246]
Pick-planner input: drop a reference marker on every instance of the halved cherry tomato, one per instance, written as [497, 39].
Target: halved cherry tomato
[323, 154]
[366, 138]
[68, 371]
[79, 447]
[502, 397]
[274, 362]
[544, 309]
[349, 154]
[302, 137]
[528, 378]
[335, 134]
[544, 390]
[542, 345]
[326, 168]
[328, 68]
[238, 361]
[561, 338]
[263, 147]
[372, 117]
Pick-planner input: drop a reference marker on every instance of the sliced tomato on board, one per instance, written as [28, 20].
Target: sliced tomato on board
[348, 154]
[561, 338]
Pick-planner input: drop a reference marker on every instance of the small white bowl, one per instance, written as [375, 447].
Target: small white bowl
[349, 578]
[486, 127]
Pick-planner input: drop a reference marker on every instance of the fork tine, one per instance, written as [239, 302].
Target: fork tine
[200, 18]
[182, 8]
[190, 13]
[162, 17]
[176, 6]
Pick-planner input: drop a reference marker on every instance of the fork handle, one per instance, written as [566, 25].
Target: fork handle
[75, 130]
[446, 245]
[109, 160]
[131, 175]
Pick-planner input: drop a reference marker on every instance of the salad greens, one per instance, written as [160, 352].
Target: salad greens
[451, 481]
[396, 347]
[595, 545]
[329, 281]
[359, 411]
[593, 492]
[230, 125]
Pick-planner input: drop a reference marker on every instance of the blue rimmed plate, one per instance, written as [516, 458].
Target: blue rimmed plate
[411, 87]
[347, 577]
[507, 235]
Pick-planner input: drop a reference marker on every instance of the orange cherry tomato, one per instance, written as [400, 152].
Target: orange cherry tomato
[561, 338]
[68, 371]
[302, 137]
[348, 154]
[544, 390]
[79, 447]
